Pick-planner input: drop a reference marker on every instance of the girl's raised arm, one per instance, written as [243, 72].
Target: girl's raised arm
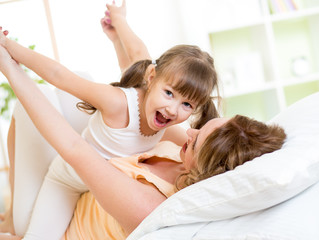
[134, 47]
[59, 76]
[129, 206]
[122, 58]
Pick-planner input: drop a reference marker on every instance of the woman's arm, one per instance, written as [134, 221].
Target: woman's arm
[127, 200]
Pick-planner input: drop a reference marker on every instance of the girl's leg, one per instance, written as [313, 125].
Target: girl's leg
[32, 157]
[7, 225]
[56, 202]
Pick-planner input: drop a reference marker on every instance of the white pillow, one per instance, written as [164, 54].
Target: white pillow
[297, 218]
[256, 185]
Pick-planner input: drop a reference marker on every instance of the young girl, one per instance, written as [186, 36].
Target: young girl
[128, 120]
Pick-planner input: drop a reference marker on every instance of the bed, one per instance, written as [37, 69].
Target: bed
[273, 197]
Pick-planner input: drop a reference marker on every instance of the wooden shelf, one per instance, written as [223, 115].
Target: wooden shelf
[264, 60]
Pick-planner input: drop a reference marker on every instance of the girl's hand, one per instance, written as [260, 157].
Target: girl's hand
[115, 12]
[3, 38]
[107, 27]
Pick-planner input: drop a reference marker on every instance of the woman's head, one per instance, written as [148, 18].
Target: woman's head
[223, 144]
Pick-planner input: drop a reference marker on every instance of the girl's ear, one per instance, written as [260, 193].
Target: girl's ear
[150, 74]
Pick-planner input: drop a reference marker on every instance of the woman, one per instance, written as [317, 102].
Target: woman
[219, 146]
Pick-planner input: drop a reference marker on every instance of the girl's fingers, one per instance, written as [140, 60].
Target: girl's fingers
[106, 21]
[109, 5]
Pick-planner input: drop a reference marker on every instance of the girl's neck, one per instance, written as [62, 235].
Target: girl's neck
[144, 127]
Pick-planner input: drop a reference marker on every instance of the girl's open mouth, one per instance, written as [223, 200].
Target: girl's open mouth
[161, 120]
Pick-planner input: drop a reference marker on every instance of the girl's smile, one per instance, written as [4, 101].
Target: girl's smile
[161, 120]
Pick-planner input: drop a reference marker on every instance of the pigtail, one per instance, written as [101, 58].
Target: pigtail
[86, 107]
[132, 77]
[204, 113]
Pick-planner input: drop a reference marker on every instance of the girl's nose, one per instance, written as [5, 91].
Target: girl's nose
[172, 109]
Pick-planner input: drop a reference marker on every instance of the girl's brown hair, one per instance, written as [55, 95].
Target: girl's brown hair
[191, 72]
[239, 140]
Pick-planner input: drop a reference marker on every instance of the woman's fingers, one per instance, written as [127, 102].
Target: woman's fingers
[5, 32]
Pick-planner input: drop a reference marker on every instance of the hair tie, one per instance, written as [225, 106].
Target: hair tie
[154, 62]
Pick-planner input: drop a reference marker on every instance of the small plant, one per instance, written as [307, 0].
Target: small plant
[7, 96]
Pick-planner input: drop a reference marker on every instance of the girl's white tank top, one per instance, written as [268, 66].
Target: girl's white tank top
[123, 142]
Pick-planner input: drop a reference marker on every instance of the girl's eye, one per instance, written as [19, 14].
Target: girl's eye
[188, 105]
[168, 93]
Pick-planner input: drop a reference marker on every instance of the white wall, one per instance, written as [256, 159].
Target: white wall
[81, 43]
[83, 46]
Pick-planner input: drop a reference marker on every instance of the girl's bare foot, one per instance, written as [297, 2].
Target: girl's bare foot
[6, 226]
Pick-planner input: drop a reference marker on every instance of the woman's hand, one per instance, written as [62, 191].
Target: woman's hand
[6, 60]
[3, 38]
[4, 56]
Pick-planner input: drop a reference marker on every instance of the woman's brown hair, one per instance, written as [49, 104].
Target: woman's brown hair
[239, 140]
[191, 72]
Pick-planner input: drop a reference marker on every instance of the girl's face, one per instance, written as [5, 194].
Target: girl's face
[165, 107]
[196, 138]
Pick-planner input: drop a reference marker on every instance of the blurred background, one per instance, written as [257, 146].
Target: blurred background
[266, 51]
